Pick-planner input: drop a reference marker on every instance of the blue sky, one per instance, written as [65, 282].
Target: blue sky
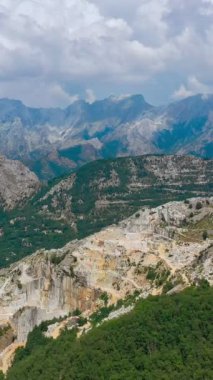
[55, 51]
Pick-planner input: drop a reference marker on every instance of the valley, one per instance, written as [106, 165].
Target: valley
[106, 190]
[85, 248]
[97, 195]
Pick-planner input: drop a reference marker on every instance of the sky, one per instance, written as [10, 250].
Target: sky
[53, 52]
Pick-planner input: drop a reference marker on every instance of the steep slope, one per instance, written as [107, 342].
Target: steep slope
[154, 251]
[54, 141]
[162, 338]
[189, 127]
[36, 136]
[17, 184]
[99, 194]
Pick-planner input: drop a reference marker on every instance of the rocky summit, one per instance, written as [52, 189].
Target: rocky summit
[17, 184]
[163, 249]
[54, 141]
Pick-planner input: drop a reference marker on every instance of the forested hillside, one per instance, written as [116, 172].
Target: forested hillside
[97, 195]
[163, 338]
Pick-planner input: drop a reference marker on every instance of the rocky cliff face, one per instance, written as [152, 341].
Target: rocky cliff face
[104, 191]
[52, 141]
[99, 194]
[17, 183]
[155, 250]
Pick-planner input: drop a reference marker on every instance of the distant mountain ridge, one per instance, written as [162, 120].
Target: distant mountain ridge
[54, 141]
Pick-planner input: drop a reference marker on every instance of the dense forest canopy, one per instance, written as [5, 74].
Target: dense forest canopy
[163, 338]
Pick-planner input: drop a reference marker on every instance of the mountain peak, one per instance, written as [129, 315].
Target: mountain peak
[126, 97]
[111, 127]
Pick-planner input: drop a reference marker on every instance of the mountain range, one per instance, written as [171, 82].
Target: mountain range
[55, 141]
[92, 244]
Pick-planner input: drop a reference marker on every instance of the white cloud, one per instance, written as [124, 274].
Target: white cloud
[151, 25]
[37, 93]
[64, 47]
[193, 87]
[90, 96]
[182, 92]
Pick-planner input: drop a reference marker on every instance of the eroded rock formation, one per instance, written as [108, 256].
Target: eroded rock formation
[17, 183]
[155, 250]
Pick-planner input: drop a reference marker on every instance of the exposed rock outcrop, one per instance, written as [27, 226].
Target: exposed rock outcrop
[107, 190]
[54, 140]
[99, 194]
[17, 183]
[146, 252]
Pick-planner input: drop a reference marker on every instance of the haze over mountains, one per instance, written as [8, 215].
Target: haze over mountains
[54, 141]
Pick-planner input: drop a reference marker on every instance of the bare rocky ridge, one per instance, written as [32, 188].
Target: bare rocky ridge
[17, 183]
[155, 250]
[52, 141]
[97, 195]
[117, 184]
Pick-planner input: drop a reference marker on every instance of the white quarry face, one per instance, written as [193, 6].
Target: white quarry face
[115, 260]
